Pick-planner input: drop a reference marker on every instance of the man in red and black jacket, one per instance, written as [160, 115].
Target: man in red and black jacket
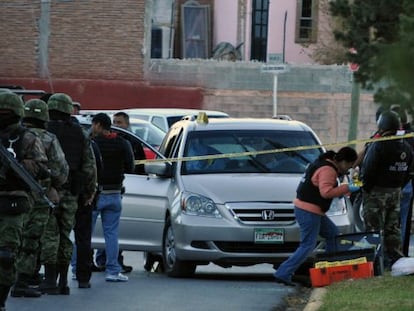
[118, 159]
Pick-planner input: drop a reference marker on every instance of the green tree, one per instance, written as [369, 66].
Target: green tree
[381, 31]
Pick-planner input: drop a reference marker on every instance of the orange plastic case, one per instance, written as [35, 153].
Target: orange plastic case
[326, 276]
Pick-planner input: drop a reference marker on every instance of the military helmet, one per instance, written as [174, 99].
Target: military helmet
[13, 102]
[388, 121]
[2, 90]
[37, 109]
[60, 102]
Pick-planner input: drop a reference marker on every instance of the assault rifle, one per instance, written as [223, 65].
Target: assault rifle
[9, 162]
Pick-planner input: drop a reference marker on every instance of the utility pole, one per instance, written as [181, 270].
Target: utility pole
[354, 113]
[355, 92]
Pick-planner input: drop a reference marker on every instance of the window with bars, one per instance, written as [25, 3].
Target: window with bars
[306, 21]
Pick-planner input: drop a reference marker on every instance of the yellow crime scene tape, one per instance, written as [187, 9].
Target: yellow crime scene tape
[298, 148]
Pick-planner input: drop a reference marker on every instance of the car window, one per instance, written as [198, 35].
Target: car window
[252, 142]
[158, 121]
[140, 116]
[148, 132]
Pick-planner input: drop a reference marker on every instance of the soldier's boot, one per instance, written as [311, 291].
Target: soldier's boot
[48, 285]
[22, 289]
[4, 293]
[35, 279]
[63, 279]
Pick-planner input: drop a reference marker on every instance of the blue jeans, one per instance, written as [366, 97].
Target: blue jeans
[109, 207]
[405, 205]
[311, 225]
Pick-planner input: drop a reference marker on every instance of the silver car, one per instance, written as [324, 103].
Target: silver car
[221, 191]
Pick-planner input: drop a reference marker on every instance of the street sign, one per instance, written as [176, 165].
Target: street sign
[274, 68]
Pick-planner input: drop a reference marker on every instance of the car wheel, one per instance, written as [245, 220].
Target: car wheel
[173, 266]
[358, 209]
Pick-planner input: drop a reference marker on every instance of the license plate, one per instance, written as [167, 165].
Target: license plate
[269, 235]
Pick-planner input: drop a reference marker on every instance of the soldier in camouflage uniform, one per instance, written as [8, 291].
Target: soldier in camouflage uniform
[15, 196]
[386, 168]
[56, 245]
[36, 116]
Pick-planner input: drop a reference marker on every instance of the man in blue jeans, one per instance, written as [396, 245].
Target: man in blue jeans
[118, 159]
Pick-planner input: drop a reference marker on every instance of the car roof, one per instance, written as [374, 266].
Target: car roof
[87, 118]
[244, 123]
[172, 111]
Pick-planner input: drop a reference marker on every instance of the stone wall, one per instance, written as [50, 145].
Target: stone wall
[317, 95]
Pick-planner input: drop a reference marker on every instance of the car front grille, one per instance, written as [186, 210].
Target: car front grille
[263, 213]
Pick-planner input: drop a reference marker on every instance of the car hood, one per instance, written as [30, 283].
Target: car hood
[226, 188]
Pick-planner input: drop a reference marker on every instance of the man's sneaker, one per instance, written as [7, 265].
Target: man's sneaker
[116, 278]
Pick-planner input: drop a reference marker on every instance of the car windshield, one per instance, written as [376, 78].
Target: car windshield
[254, 142]
[148, 132]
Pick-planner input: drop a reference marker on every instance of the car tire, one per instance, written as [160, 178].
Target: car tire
[357, 210]
[173, 266]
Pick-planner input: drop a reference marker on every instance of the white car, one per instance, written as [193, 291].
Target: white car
[231, 207]
[165, 117]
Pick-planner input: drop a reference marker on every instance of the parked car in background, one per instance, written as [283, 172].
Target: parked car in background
[165, 117]
[231, 207]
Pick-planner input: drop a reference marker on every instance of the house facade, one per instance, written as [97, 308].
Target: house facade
[210, 54]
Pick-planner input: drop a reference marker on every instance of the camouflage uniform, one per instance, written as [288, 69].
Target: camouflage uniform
[30, 152]
[386, 167]
[56, 243]
[36, 117]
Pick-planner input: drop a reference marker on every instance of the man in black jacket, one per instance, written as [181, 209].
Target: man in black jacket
[118, 159]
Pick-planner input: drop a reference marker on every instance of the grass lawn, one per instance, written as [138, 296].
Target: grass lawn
[380, 293]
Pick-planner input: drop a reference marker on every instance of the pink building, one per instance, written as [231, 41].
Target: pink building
[283, 28]
[268, 30]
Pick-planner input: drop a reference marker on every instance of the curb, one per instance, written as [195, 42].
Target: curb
[315, 300]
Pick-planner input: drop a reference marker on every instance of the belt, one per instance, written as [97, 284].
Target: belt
[110, 191]
[110, 187]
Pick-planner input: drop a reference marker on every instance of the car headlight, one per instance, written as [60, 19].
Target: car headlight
[338, 207]
[198, 205]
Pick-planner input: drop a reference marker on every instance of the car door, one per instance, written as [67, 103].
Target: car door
[143, 206]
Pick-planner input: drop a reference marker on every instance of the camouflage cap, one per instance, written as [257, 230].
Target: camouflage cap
[60, 102]
[13, 102]
[36, 108]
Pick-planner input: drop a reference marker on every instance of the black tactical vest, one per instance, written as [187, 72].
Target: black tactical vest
[71, 139]
[14, 140]
[310, 193]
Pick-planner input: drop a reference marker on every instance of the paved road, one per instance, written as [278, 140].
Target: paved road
[213, 288]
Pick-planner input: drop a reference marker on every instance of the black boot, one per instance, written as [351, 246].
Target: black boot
[36, 279]
[124, 268]
[48, 285]
[4, 293]
[22, 289]
[63, 279]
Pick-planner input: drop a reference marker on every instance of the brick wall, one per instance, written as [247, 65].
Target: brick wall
[327, 114]
[94, 50]
[89, 39]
